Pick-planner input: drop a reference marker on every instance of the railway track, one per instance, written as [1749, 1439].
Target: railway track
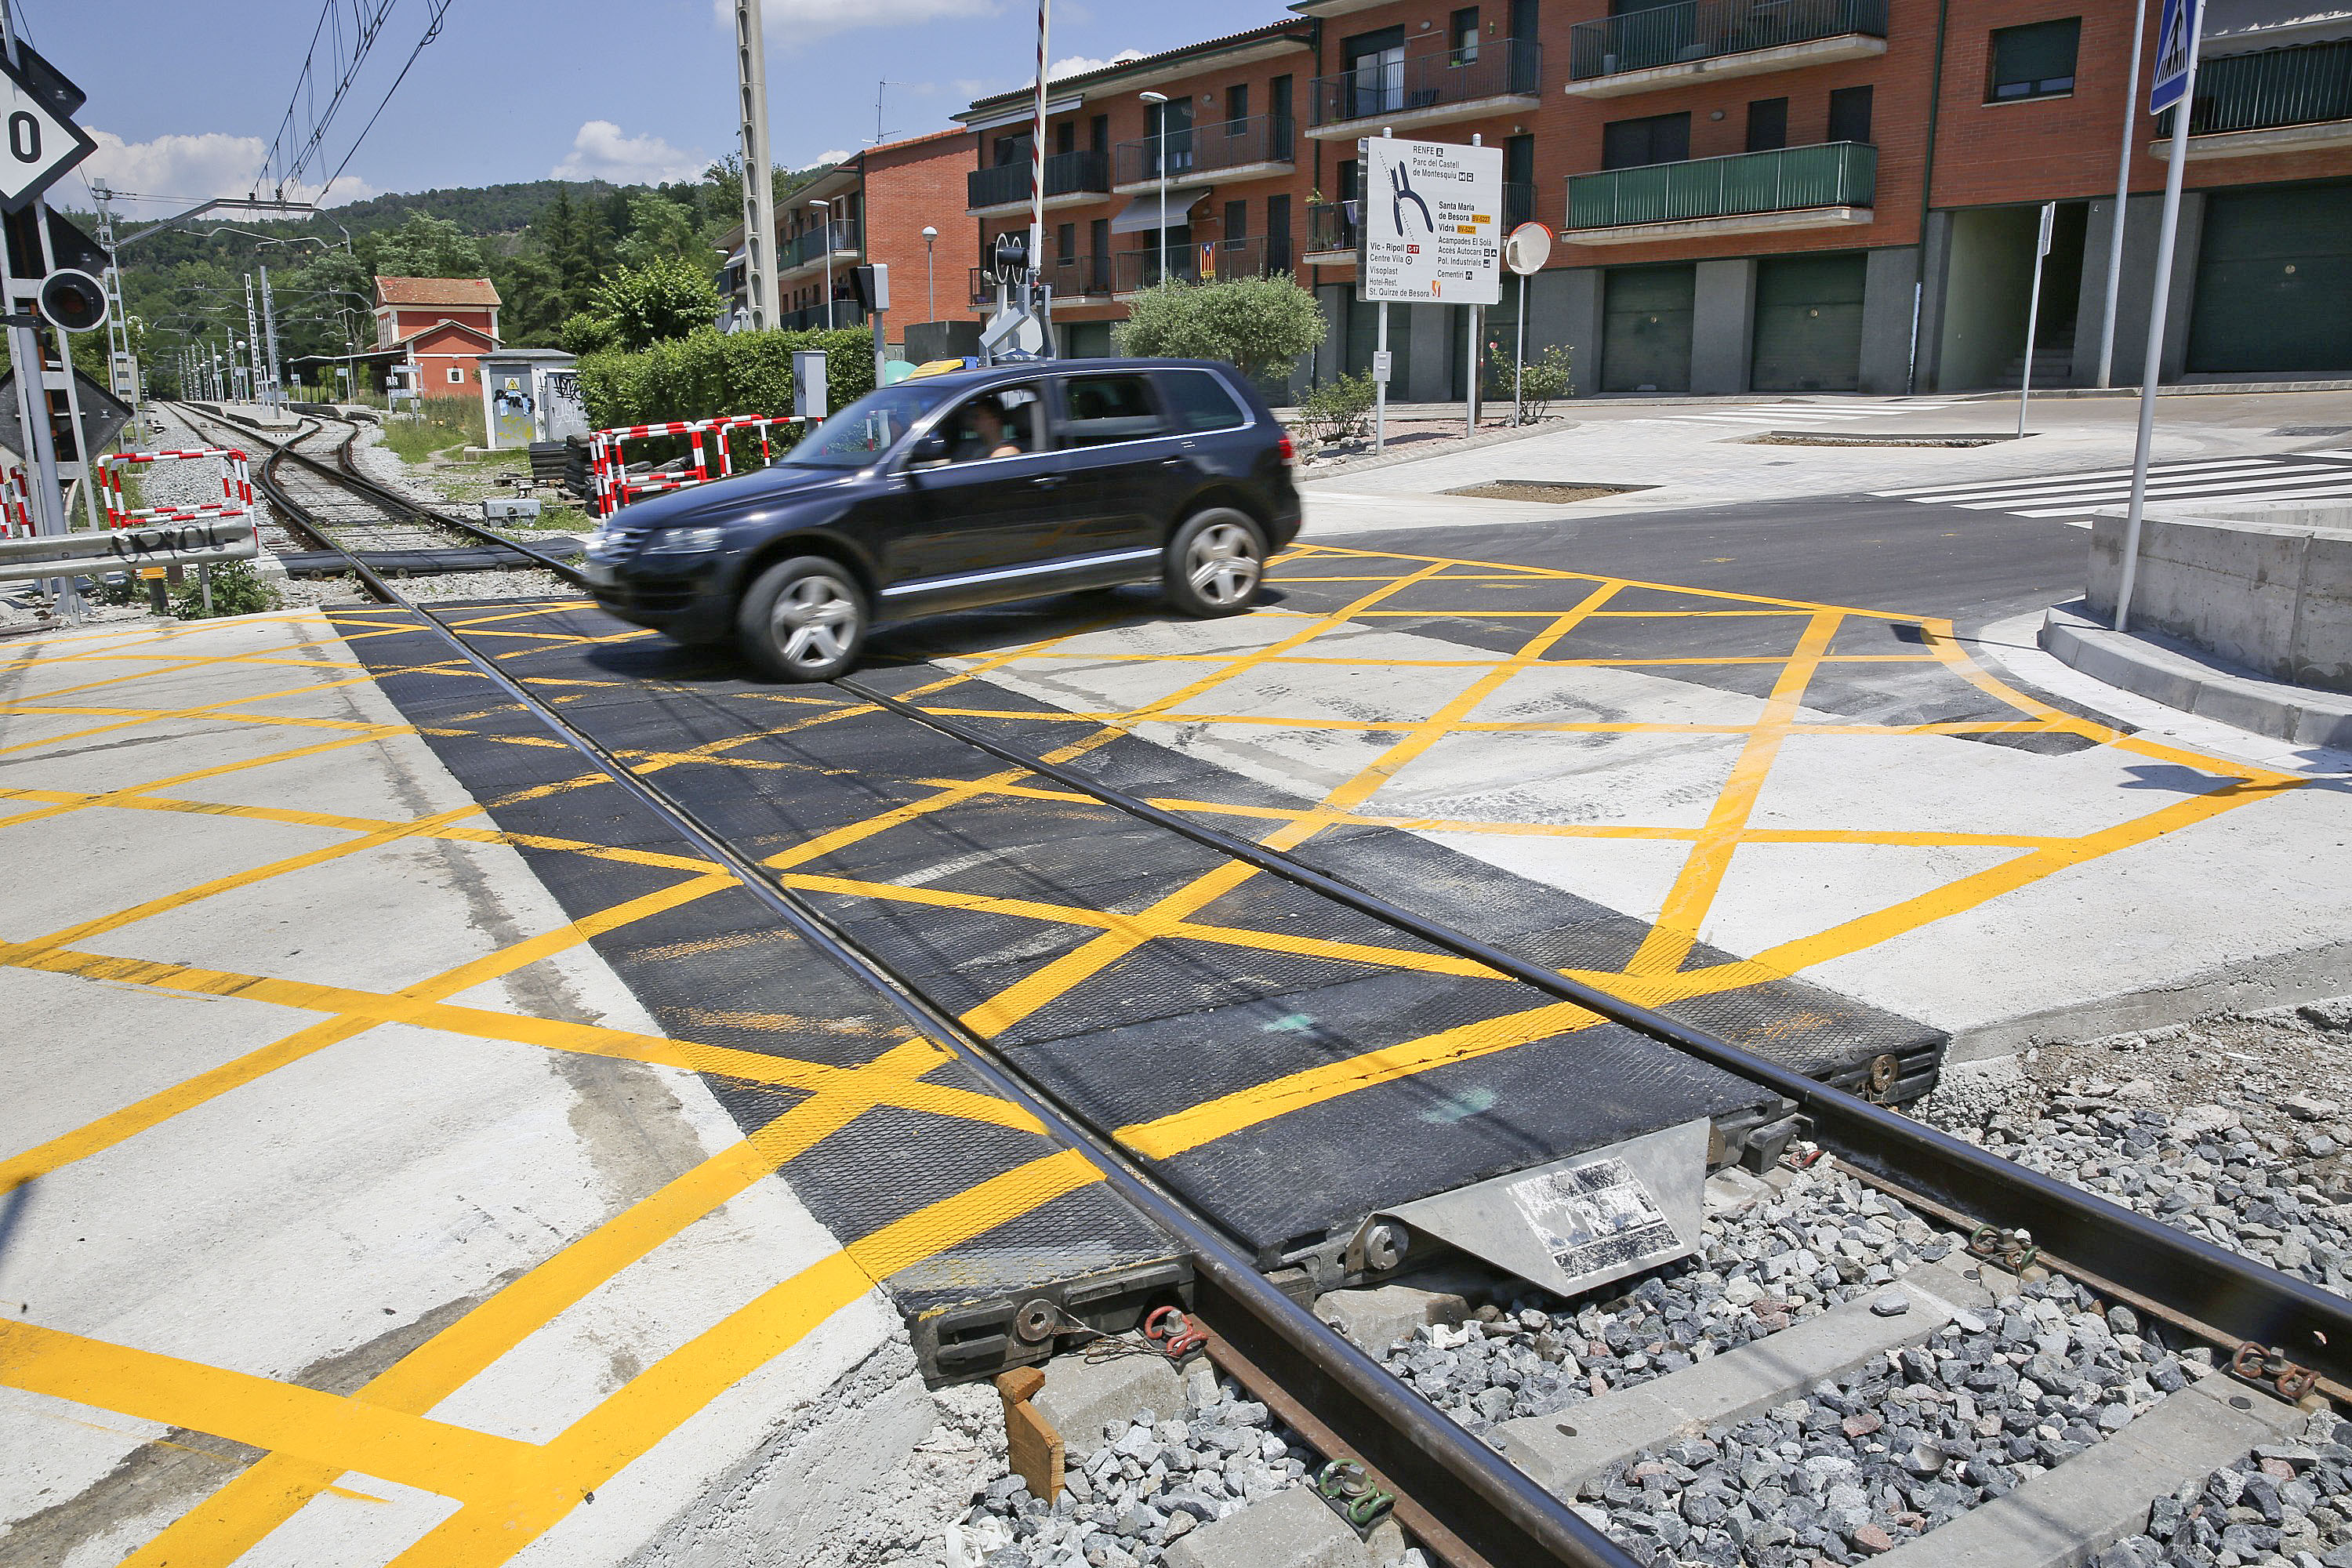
[2031, 1353]
[327, 514]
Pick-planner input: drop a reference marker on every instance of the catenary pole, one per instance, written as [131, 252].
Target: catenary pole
[269, 341]
[2123, 200]
[1037, 162]
[758, 186]
[2167, 231]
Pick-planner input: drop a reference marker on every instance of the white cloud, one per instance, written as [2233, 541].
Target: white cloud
[834, 156]
[173, 173]
[793, 22]
[1078, 65]
[600, 152]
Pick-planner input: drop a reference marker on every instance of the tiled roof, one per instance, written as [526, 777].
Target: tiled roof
[470, 293]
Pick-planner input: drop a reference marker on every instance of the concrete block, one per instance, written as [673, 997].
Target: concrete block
[1081, 1397]
[1563, 1450]
[1292, 1529]
[2066, 1516]
[1378, 1317]
[1887, 283]
[1730, 1190]
[1722, 314]
[2175, 676]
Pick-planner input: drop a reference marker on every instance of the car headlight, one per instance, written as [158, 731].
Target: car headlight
[685, 541]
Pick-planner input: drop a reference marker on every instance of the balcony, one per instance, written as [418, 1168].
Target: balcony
[1073, 279]
[2278, 100]
[838, 240]
[1436, 87]
[1225, 150]
[1332, 230]
[1204, 262]
[1669, 44]
[1072, 179]
[811, 319]
[1827, 186]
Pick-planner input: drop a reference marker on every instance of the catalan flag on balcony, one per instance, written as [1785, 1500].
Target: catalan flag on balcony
[1208, 258]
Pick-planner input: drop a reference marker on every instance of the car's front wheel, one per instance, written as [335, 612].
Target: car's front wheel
[805, 619]
[1215, 562]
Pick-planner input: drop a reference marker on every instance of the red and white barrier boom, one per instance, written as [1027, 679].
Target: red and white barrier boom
[615, 487]
[236, 487]
[16, 505]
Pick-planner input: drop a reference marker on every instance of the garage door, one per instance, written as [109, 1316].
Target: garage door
[1808, 323]
[1645, 333]
[2274, 281]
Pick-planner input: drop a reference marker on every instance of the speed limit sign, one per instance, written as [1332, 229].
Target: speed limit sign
[35, 144]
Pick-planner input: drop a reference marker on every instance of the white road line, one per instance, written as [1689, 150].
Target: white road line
[1989, 486]
[2324, 492]
[2217, 484]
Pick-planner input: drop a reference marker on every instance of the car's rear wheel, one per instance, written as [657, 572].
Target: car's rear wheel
[805, 619]
[1216, 564]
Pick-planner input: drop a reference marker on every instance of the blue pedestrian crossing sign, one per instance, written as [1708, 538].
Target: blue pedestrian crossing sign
[2176, 53]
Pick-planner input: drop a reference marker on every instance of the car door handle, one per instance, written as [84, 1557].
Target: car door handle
[1047, 481]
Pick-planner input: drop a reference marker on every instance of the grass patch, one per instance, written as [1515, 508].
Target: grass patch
[439, 424]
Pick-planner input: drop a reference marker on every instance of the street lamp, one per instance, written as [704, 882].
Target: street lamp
[824, 243]
[1158, 100]
[931, 278]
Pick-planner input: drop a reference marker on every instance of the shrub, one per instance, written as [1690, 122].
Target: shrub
[1259, 325]
[667, 297]
[1546, 377]
[708, 373]
[1336, 410]
[236, 591]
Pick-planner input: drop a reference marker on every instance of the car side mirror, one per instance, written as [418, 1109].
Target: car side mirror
[933, 448]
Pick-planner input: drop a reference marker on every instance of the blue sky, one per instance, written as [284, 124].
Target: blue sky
[184, 97]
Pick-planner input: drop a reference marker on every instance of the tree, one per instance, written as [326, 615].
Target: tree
[428, 246]
[1259, 325]
[533, 294]
[660, 228]
[667, 297]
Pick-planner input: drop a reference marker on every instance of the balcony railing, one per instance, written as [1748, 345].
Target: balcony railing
[1067, 173]
[1201, 262]
[1207, 149]
[1070, 277]
[1334, 225]
[1838, 173]
[846, 313]
[2304, 85]
[1501, 67]
[1705, 30]
[1518, 204]
[835, 237]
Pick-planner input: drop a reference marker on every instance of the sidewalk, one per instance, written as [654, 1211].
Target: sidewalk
[352, 1204]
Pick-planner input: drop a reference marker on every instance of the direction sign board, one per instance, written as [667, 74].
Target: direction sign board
[2176, 52]
[1433, 220]
[37, 144]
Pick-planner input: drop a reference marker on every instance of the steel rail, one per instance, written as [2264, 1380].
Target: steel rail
[1486, 1503]
[2152, 1260]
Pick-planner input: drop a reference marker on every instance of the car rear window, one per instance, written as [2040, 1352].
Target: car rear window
[1106, 408]
[1200, 401]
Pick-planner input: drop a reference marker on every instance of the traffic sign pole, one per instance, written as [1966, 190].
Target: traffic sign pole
[2033, 310]
[2175, 88]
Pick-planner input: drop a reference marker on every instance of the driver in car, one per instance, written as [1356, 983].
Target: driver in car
[985, 433]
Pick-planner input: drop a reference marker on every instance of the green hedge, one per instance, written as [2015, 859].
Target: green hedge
[710, 373]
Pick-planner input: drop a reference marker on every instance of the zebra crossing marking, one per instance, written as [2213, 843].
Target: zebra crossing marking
[2072, 498]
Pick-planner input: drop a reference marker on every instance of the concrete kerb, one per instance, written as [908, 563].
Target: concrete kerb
[1081, 1397]
[1292, 1529]
[2165, 671]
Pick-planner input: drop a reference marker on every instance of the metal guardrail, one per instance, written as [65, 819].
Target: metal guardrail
[1067, 173]
[1836, 174]
[1207, 148]
[1707, 29]
[1499, 68]
[811, 318]
[90, 553]
[2302, 85]
[1334, 225]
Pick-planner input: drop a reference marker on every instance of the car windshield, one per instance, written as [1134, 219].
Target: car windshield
[866, 428]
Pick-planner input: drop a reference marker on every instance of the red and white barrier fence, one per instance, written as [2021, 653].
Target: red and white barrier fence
[16, 505]
[615, 487]
[236, 487]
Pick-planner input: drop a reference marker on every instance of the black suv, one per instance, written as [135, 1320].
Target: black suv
[965, 489]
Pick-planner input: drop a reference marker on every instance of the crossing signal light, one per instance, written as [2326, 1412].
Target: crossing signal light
[73, 301]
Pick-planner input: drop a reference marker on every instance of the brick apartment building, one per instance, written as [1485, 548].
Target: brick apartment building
[876, 203]
[1751, 194]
